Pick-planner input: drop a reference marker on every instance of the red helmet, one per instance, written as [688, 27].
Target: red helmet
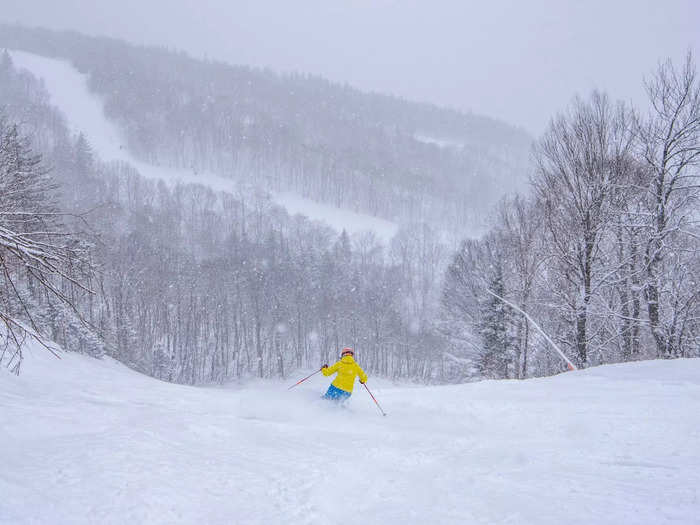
[347, 351]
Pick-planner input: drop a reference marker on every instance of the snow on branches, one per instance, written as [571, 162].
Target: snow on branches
[37, 254]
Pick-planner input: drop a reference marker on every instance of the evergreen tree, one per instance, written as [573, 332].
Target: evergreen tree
[498, 345]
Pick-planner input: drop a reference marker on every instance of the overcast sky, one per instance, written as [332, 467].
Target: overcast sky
[519, 61]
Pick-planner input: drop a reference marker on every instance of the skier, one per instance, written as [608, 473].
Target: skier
[347, 369]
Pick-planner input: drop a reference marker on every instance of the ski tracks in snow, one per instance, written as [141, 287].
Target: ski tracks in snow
[88, 441]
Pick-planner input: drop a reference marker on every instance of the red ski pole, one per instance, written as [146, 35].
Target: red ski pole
[302, 380]
[374, 399]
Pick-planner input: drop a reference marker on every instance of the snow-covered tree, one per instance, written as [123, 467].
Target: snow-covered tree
[669, 141]
[498, 346]
[38, 255]
[580, 161]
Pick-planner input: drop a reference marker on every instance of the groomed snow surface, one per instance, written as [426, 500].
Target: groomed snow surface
[90, 441]
[84, 113]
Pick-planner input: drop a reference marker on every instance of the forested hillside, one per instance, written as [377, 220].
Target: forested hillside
[600, 261]
[192, 285]
[403, 161]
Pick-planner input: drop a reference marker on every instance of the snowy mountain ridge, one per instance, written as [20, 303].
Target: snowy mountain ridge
[297, 133]
[84, 113]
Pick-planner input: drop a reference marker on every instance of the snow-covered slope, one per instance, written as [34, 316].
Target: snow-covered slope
[88, 441]
[68, 91]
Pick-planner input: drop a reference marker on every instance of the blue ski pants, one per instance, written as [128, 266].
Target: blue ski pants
[336, 394]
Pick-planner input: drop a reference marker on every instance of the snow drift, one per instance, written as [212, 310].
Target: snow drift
[90, 441]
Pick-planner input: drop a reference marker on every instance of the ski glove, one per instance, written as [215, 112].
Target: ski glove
[324, 366]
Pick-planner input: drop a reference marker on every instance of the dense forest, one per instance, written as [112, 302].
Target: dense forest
[190, 285]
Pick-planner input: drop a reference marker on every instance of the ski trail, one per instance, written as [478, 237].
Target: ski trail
[84, 112]
[89, 441]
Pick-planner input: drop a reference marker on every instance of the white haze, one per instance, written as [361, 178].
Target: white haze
[517, 61]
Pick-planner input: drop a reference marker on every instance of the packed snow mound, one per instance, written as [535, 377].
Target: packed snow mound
[84, 112]
[90, 441]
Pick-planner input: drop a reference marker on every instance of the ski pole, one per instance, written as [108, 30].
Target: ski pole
[302, 380]
[374, 399]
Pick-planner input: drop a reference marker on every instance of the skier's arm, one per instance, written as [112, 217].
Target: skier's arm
[361, 373]
[330, 369]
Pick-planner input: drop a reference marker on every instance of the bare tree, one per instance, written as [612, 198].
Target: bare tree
[579, 162]
[521, 223]
[669, 141]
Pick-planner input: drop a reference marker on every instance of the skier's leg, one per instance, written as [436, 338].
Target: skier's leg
[336, 394]
[331, 394]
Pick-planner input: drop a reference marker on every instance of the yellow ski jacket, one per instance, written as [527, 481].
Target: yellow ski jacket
[347, 370]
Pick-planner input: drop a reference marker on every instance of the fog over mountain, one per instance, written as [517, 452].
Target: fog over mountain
[517, 61]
